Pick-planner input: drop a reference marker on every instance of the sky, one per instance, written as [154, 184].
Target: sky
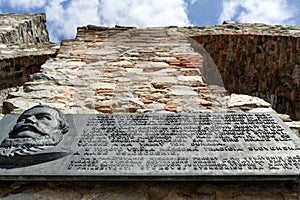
[64, 16]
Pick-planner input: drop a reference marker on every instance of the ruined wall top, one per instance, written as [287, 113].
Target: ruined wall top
[23, 28]
[24, 35]
[130, 75]
[244, 29]
[227, 28]
[24, 46]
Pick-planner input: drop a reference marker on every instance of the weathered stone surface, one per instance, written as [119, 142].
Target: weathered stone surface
[247, 102]
[23, 28]
[263, 110]
[24, 47]
[164, 82]
[285, 117]
[294, 125]
[256, 59]
[148, 190]
[81, 98]
[183, 91]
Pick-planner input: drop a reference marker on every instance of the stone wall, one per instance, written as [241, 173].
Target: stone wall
[156, 70]
[24, 47]
[16, 70]
[256, 59]
[92, 33]
[138, 70]
[23, 28]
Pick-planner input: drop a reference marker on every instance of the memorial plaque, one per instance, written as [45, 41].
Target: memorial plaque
[194, 146]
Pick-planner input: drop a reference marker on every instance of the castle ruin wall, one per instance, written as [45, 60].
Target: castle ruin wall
[24, 47]
[257, 60]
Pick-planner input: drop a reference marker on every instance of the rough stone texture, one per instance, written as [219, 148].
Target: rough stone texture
[24, 47]
[17, 63]
[147, 190]
[138, 70]
[256, 59]
[122, 69]
[26, 29]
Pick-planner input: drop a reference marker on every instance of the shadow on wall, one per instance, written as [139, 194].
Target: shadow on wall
[16, 71]
[210, 70]
[263, 65]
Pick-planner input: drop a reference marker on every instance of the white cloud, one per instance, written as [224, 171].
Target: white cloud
[143, 12]
[64, 16]
[27, 4]
[266, 11]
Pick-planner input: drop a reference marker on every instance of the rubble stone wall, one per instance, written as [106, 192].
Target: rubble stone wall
[150, 70]
[24, 47]
[258, 60]
[23, 28]
[16, 71]
[138, 71]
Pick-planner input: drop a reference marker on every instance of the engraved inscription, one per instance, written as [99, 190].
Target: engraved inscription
[181, 144]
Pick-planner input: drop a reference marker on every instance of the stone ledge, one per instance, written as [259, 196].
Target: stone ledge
[235, 28]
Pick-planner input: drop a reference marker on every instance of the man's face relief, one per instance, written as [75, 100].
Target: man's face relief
[35, 123]
[37, 130]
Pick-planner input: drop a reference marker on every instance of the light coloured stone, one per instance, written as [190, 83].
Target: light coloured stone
[80, 110]
[46, 86]
[105, 103]
[163, 100]
[162, 72]
[33, 94]
[103, 86]
[101, 52]
[152, 65]
[262, 110]
[123, 63]
[294, 125]
[182, 91]
[136, 78]
[204, 102]
[135, 70]
[163, 54]
[157, 95]
[164, 80]
[156, 106]
[285, 117]
[6, 52]
[75, 82]
[98, 63]
[164, 58]
[18, 105]
[239, 100]
[136, 101]
[75, 63]
[197, 79]
[4, 46]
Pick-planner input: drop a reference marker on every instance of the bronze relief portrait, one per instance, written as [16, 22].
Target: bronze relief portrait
[35, 133]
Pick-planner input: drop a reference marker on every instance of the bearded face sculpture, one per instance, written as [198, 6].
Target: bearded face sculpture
[39, 127]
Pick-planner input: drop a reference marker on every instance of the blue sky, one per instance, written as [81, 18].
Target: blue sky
[64, 16]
